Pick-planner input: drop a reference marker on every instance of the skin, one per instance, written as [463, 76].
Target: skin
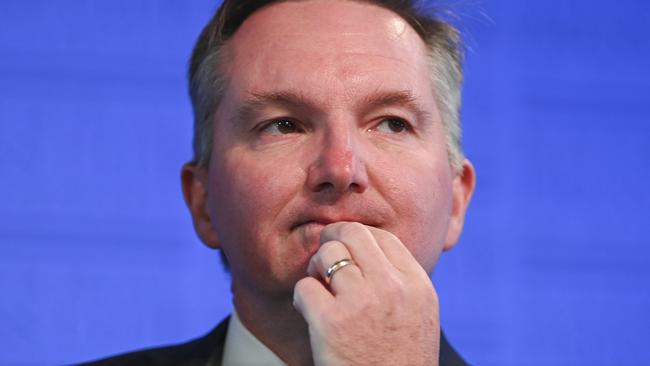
[328, 144]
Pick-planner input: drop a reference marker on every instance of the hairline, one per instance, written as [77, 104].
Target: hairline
[449, 115]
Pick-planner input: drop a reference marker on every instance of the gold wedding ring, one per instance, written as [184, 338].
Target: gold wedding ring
[335, 267]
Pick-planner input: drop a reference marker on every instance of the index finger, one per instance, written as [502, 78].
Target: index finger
[396, 252]
[360, 242]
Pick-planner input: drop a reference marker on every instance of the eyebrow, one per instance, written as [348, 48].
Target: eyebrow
[402, 98]
[251, 107]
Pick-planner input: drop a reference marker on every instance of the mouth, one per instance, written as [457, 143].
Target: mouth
[322, 222]
[310, 224]
[308, 228]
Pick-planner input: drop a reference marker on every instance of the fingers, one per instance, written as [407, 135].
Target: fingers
[396, 252]
[359, 241]
[331, 252]
[378, 300]
[375, 253]
[371, 248]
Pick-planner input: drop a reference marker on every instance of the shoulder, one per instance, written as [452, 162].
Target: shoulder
[195, 352]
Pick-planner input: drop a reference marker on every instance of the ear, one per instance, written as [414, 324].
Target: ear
[462, 189]
[195, 184]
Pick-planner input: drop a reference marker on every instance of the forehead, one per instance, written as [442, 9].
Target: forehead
[338, 47]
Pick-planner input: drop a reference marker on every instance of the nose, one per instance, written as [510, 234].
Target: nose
[339, 165]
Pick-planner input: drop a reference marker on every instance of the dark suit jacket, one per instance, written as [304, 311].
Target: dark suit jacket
[209, 348]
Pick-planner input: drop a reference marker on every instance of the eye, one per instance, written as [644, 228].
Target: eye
[281, 127]
[393, 125]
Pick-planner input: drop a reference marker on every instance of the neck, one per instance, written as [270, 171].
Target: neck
[277, 324]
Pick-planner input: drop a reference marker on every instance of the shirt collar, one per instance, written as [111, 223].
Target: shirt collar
[242, 348]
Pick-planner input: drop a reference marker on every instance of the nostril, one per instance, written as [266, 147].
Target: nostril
[357, 188]
[328, 187]
[325, 186]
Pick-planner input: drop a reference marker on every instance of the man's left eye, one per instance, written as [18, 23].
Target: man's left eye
[393, 125]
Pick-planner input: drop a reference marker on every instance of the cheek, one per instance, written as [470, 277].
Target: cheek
[249, 192]
[424, 208]
[249, 206]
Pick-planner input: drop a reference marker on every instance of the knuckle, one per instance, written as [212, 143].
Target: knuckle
[350, 228]
[299, 287]
[390, 236]
[394, 287]
[327, 246]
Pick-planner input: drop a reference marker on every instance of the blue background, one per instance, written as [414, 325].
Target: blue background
[98, 255]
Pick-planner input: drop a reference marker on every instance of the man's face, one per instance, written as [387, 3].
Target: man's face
[329, 115]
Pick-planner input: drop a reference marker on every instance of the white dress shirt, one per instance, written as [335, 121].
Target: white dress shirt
[243, 349]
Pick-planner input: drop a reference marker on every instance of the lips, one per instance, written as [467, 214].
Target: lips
[311, 222]
[324, 221]
[308, 225]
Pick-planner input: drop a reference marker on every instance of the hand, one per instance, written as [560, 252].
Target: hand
[381, 310]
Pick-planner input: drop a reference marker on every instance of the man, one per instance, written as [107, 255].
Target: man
[328, 171]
